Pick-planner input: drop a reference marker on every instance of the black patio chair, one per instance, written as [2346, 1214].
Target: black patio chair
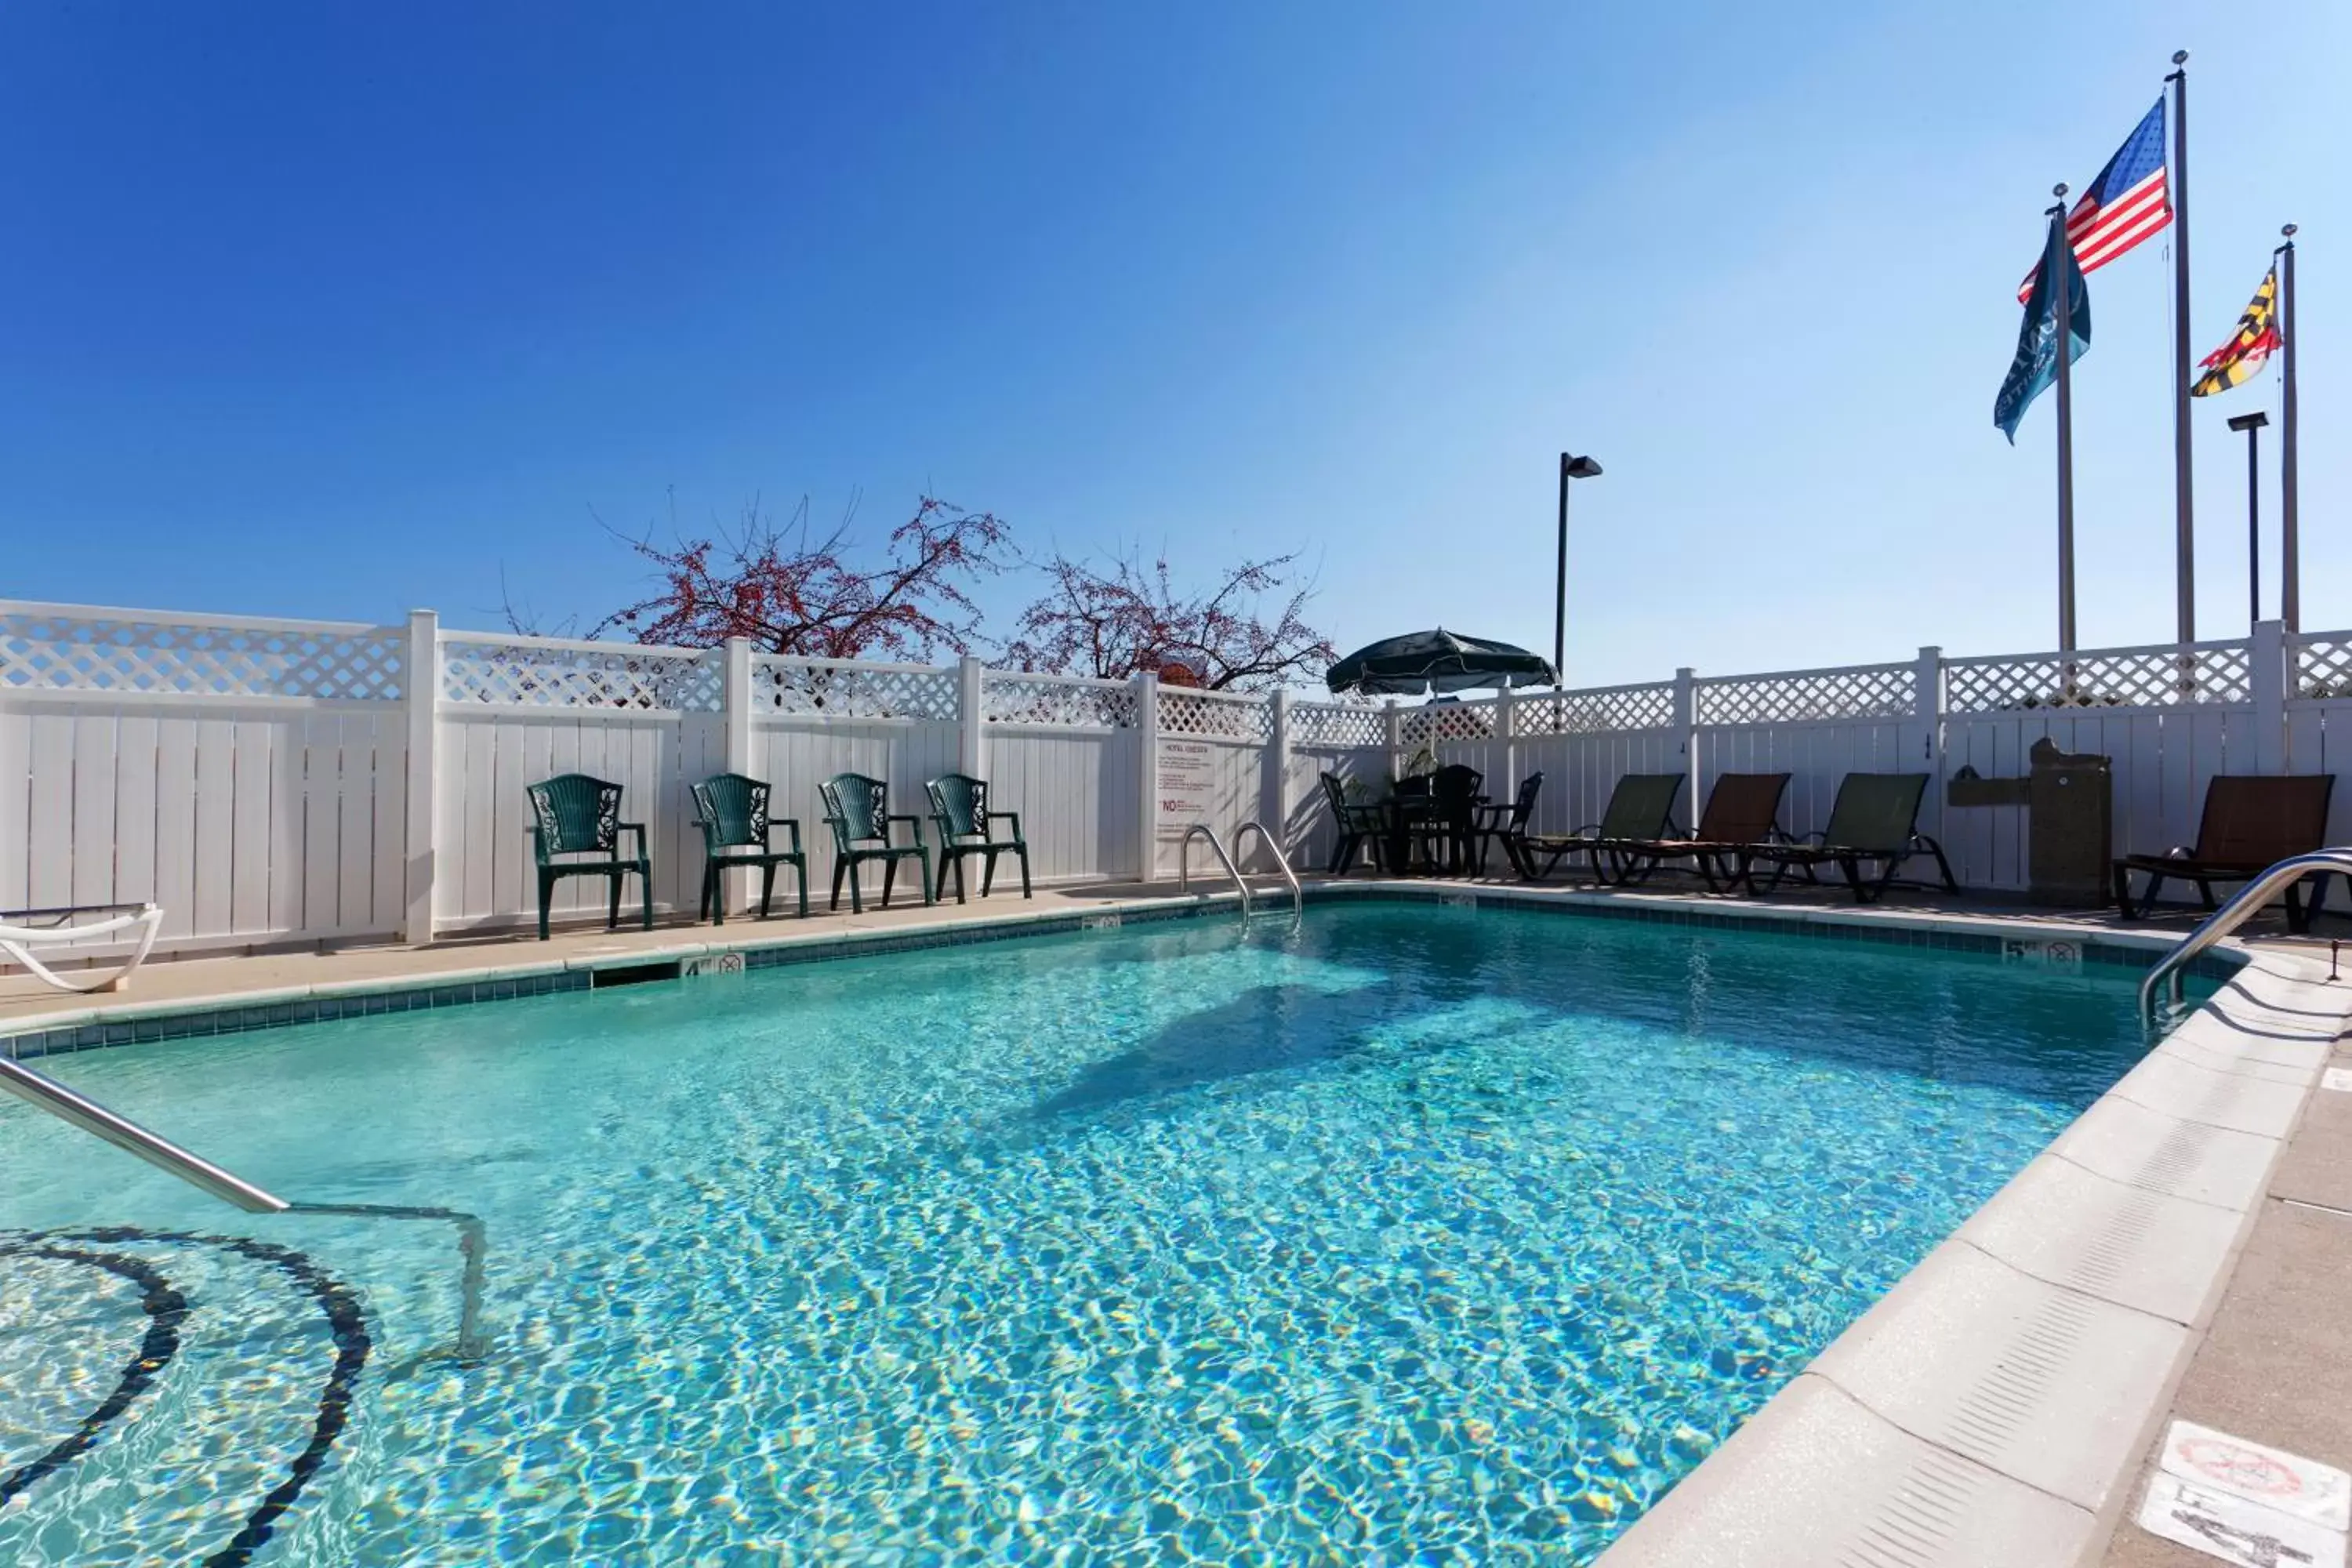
[1507, 822]
[1358, 824]
[1443, 831]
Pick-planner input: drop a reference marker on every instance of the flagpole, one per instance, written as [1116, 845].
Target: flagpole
[2065, 431]
[2290, 583]
[2184, 518]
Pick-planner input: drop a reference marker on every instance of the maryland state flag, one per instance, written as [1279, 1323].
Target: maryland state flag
[2238, 360]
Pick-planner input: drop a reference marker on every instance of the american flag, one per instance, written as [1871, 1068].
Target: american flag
[2126, 204]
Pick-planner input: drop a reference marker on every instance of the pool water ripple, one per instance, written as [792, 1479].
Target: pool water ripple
[1427, 1236]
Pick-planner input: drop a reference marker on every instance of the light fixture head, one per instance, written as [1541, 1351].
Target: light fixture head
[2180, 57]
[2254, 421]
[1579, 467]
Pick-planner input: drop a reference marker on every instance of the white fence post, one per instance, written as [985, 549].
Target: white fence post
[1396, 737]
[1506, 733]
[1146, 736]
[735, 697]
[1276, 800]
[1685, 720]
[1928, 705]
[420, 693]
[2266, 672]
[971, 751]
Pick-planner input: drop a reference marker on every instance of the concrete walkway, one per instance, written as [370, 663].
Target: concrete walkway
[2275, 1364]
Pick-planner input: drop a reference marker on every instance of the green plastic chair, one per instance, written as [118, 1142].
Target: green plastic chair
[732, 812]
[858, 809]
[959, 812]
[575, 816]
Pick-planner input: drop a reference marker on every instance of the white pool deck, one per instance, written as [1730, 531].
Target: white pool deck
[2184, 1248]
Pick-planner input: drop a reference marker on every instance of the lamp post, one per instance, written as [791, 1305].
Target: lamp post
[1569, 469]
[2250, 423]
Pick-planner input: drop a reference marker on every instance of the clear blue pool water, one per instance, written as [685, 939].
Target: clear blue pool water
[1420, 1235]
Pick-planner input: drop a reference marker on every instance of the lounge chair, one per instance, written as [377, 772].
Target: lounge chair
[1505, 822]
[858, 809]
[22, 931]
[1875, 817]
[1640, 810]
[959, 812]
[2251, 822]
[1360, 825]
[732, 812]
[1741, 809]
[573, 816]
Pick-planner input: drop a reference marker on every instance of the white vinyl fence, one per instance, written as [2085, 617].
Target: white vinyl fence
[273, 782]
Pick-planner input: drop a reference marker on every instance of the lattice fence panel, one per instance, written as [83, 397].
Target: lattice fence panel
[2128, 678]
[1599, 712]
[2322, 665]
[1184, 712]
[529, 674]
[1872, 691]
[1435, 721]
[52, 652]
[825, 689]
[1335, 724]
[1058, 700]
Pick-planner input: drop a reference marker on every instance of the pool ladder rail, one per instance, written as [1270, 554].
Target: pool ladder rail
[1216, 845]
[46, 1093]
[2239, 908]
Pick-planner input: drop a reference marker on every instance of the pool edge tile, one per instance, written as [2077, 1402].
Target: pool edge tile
[1816, 1477]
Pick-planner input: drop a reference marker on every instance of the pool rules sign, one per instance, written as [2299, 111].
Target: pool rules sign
[1184, 787]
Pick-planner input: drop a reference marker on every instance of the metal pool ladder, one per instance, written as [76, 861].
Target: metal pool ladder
[49, 1095]
[1281, 861]
[2235, 912]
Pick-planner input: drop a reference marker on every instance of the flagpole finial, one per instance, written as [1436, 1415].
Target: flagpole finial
[2180, 57]
[2059, 190]
[2286, 231]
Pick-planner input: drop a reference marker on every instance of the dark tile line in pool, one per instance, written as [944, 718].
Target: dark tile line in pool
[2207, 966]
[233, 1019]
[237, 1019]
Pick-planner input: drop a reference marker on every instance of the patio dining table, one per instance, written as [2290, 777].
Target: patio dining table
[1406, 816]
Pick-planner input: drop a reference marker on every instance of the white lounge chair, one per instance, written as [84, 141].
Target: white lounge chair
[24, 931]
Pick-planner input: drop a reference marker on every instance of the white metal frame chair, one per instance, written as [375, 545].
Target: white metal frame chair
[24, 931]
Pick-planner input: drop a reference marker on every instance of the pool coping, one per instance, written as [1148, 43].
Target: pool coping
[1993, 1407]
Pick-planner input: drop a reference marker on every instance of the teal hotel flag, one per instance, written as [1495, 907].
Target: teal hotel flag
[2036, 365]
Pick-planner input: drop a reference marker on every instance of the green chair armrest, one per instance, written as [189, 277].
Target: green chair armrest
[1012, 817]
[639, 829]
[790, 825]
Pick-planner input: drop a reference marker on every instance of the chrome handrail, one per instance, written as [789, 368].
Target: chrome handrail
[2235, 912]
[1281, 861]
[1184, 864]
[48, 1094]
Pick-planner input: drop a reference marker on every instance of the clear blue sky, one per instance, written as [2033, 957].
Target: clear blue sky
[334, 311]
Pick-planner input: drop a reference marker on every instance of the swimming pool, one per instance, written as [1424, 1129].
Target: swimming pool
[1420, 1233]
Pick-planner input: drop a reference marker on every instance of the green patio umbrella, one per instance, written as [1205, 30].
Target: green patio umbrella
[1438, 660]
